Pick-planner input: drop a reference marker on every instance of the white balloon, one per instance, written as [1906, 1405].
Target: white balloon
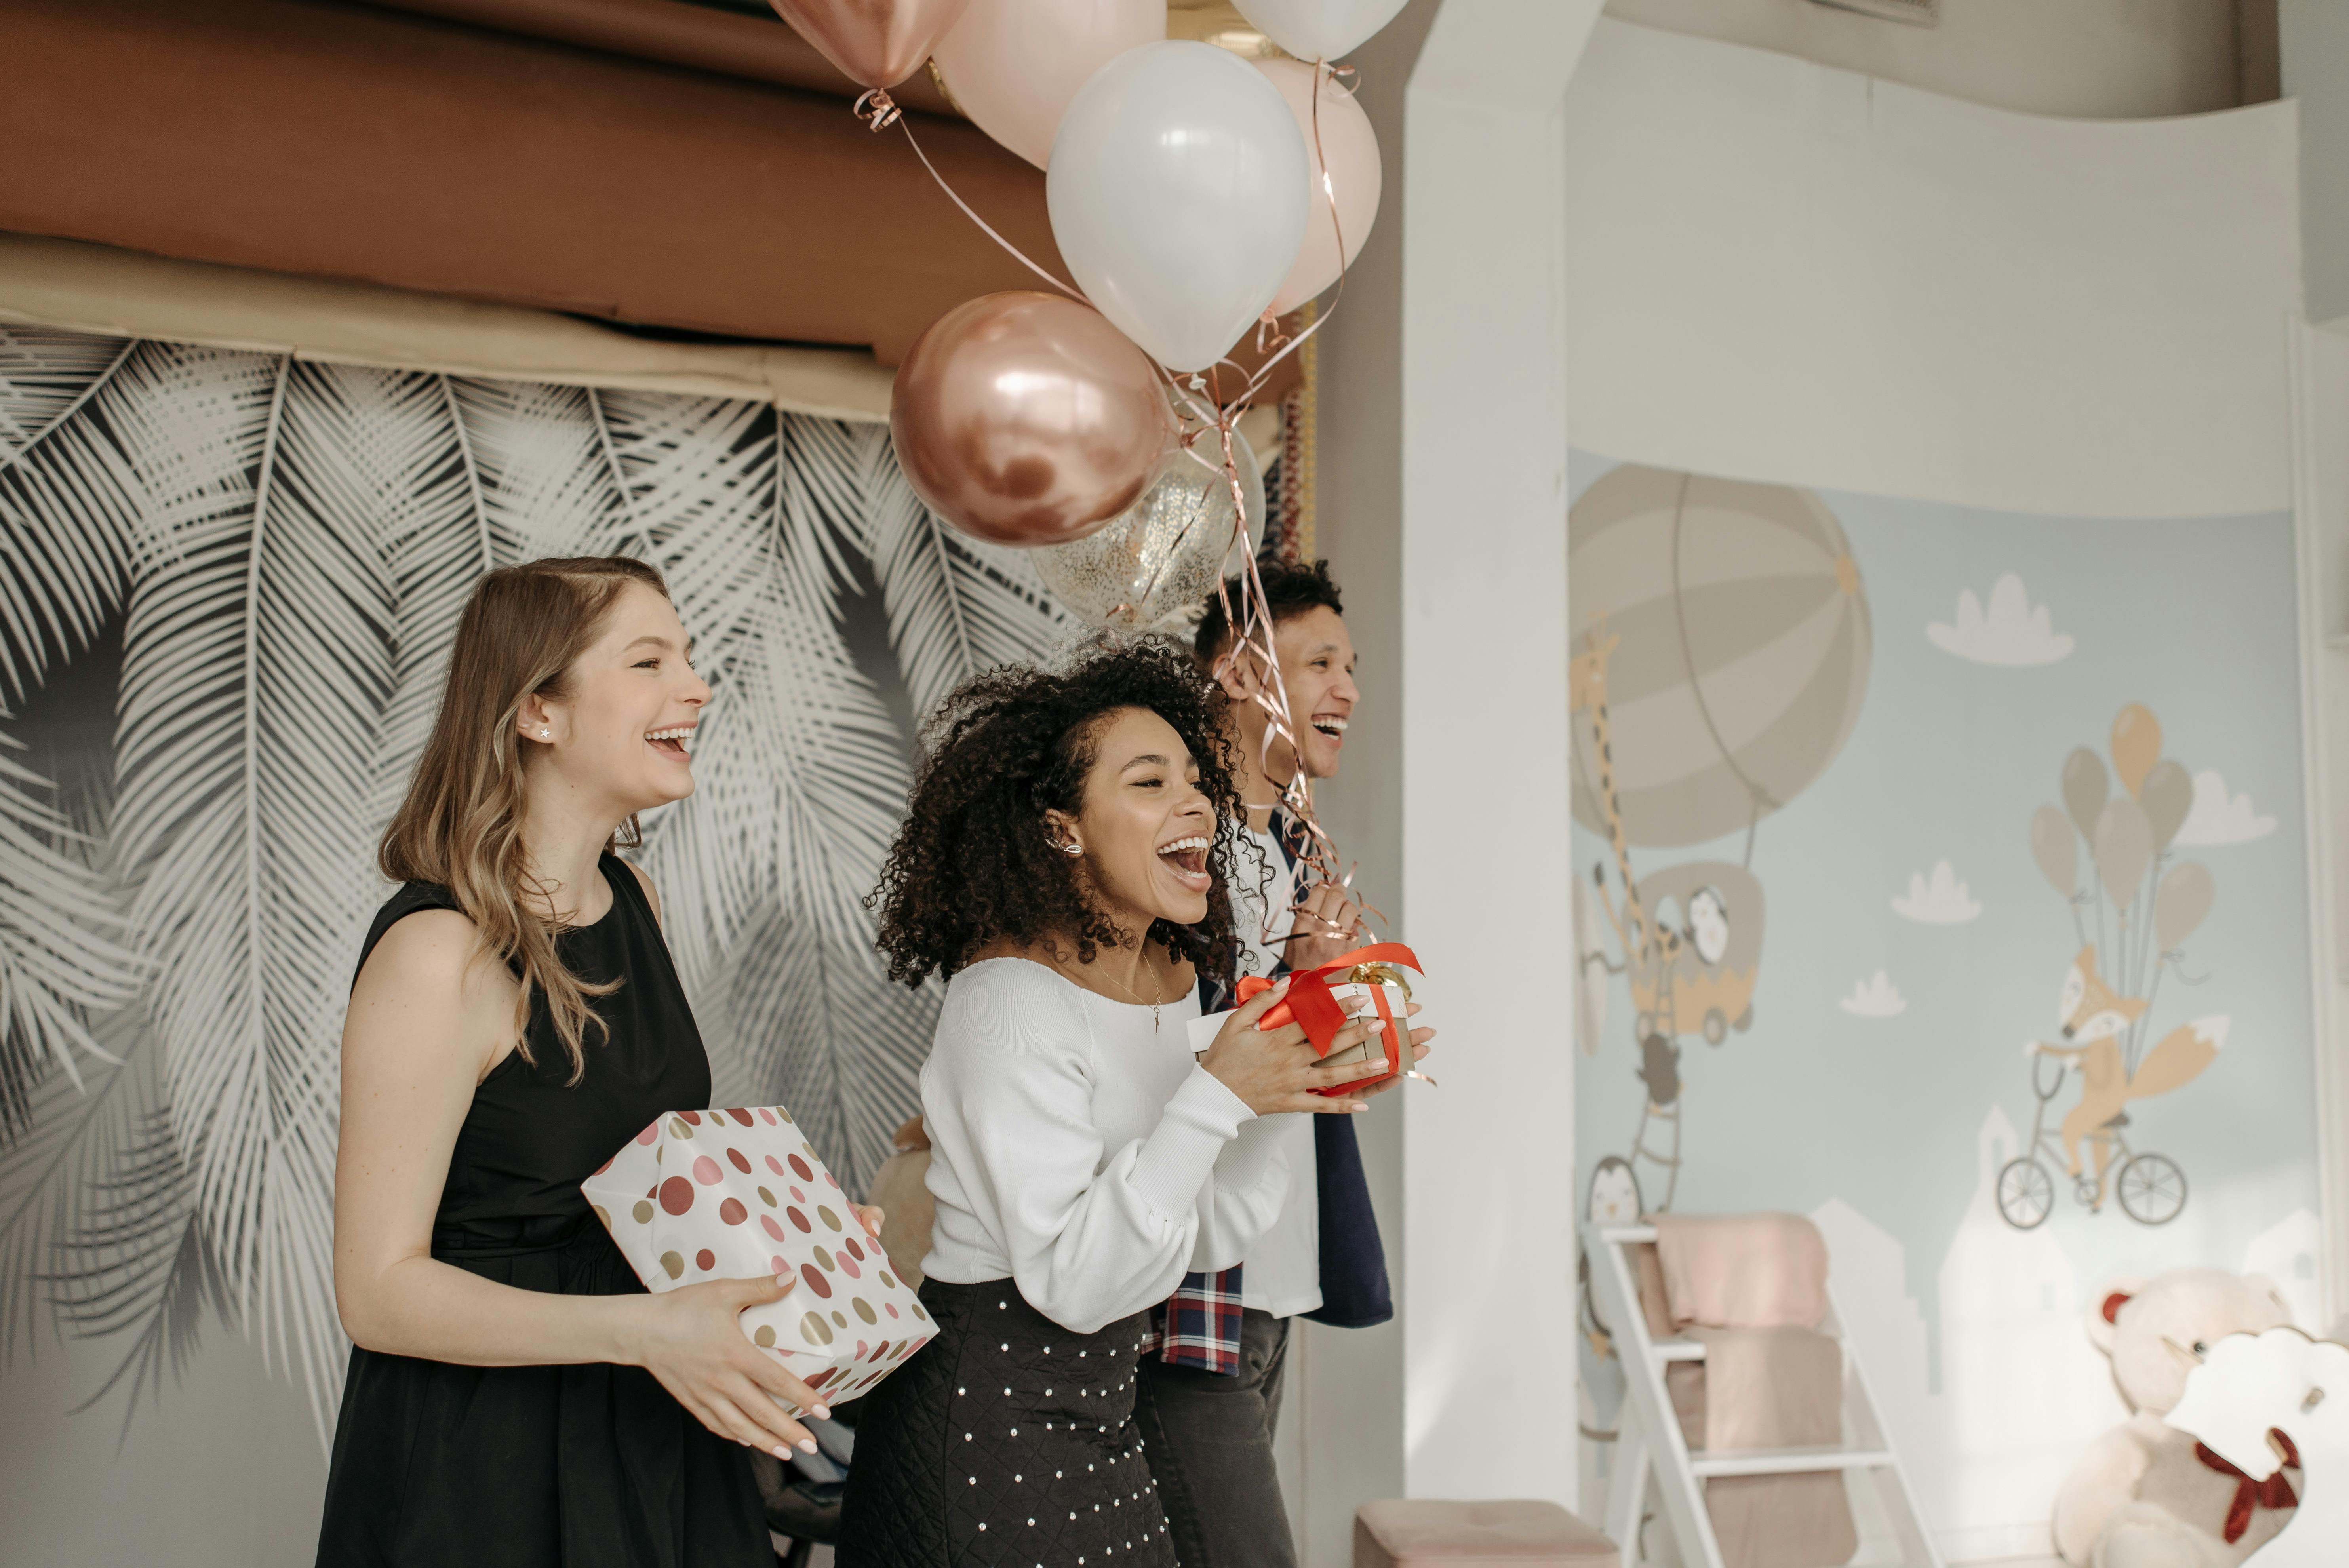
[1179, 190]
[1012, 65]
[1319, 30]
[1347, 157]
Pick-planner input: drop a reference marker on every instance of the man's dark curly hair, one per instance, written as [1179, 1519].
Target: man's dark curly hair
[1291, 588]
[974, 862]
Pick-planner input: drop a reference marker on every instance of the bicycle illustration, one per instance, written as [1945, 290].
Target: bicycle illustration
[2150, 1187]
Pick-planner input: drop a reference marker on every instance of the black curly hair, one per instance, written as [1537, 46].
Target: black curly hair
[973, 862]
[1291, 588]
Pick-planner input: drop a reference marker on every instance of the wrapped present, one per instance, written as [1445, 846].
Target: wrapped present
[733, 1194]
[1316, 1000]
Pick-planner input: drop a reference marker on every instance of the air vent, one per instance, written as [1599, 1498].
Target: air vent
[1921, 12]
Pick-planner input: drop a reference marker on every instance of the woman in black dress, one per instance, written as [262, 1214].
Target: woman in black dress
[515, 1397]
[1061, 862]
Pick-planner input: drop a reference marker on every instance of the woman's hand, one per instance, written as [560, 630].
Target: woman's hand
[691, 1340]
[1274, 1070]
[1328, 925]
[1419, 1038]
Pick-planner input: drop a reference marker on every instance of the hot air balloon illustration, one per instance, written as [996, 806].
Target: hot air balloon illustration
[1720, 644]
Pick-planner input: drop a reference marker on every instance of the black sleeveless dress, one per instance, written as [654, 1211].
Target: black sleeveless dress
[590, 1466]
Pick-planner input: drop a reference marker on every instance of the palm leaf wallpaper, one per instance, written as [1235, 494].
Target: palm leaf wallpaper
[231, 584]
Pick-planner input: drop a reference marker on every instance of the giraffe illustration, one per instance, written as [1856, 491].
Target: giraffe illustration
[1587, 692]
[1585, 681]
[1647, 947]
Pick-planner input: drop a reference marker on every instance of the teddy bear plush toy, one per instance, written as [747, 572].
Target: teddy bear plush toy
[2145, 1495]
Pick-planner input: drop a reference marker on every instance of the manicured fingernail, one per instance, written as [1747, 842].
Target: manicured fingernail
[807, 1445]
[781, 1452]
[823, 1412]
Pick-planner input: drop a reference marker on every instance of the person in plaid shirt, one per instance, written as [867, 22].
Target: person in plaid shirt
[1210, 1380]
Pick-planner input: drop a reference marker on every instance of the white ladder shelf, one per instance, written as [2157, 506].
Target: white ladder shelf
[1650, 1442]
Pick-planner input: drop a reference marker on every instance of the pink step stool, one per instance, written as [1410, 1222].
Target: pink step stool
[1424, 1532]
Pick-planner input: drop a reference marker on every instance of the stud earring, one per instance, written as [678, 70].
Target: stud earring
[1073, 849]
[544, 732]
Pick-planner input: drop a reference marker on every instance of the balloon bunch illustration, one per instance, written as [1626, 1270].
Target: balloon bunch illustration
[2155, 905]
[2132, 910]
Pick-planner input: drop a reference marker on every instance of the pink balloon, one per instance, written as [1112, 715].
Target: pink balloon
[1025, 419]
[1350, 150]
[1012, 65]
[877, 43]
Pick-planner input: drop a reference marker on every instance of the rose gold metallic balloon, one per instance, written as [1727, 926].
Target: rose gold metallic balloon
[1025, 419]
[877, 43]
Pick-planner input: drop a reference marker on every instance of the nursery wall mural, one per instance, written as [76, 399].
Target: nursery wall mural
[1721, 651]
[2032, 1013]
[231, 581]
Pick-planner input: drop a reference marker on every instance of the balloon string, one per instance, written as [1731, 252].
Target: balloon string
[984, 226]
[1323, 73]
[1254, 643]
[877, 109]
[1253, 631]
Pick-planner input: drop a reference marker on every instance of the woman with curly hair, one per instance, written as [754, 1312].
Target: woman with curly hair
[1063, 863]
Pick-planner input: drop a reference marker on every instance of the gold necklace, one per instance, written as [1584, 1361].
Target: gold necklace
[1138, 1001]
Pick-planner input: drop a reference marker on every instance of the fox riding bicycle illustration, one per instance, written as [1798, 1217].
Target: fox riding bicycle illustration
[2151, 1188]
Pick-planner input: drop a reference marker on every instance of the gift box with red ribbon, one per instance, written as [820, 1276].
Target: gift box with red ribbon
[734, 1195]
[1316, 1001]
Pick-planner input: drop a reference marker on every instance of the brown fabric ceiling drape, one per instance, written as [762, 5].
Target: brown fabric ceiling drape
[760, 49]
[347, 142]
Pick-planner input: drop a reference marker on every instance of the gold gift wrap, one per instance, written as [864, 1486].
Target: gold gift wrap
[1360, 980]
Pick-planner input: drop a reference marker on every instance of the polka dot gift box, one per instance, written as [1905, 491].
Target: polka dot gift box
[730, 1194]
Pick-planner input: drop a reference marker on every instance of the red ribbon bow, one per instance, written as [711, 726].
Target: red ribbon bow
[2274, 1493]
[1311, 1004]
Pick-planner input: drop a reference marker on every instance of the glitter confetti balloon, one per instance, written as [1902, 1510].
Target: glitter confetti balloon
[1153, 565]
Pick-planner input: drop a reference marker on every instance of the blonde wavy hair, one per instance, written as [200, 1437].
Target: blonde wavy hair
[460, 824]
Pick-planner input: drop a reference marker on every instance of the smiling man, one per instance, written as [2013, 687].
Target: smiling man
[1209, 1402]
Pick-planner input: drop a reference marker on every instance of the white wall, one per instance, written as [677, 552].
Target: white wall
[2097, 59]
[1488, 1275]
[1785, 271]
[2321, 510]
[2316, 50]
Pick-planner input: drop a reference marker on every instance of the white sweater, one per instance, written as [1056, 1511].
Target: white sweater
[1082, 1153]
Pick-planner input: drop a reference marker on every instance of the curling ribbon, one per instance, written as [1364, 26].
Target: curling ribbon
[1312, 1007]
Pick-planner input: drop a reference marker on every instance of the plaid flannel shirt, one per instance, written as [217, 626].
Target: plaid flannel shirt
[1199, 1325]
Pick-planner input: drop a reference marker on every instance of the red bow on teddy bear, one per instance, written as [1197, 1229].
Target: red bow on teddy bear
[2274, 1493]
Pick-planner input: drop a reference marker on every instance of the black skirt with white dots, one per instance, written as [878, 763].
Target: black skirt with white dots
[1007, 1443]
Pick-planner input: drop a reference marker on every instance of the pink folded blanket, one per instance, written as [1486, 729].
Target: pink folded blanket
[1741, 1270]
[1752, 1288]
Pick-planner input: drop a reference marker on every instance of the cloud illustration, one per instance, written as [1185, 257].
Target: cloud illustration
[1875, 997]
[1942, 901]
[2012, 631]
[2218, 818]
